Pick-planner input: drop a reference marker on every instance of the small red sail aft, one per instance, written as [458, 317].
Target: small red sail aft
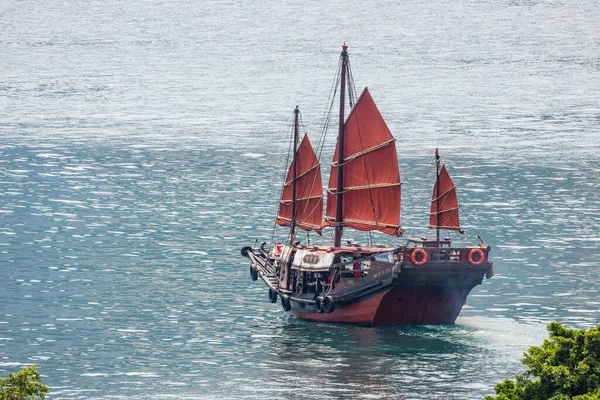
[447, 214]
[309, 191]
[371, 178]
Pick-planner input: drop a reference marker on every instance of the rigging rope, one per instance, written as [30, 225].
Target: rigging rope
[472, 225]
[320, 143]
[290, 144]
[351, 87]
[305, 186]
[322, 138]
[325, 127]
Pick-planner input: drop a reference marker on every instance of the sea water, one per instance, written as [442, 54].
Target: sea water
[142, 144]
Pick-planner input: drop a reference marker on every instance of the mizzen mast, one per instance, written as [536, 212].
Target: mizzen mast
[444, 203]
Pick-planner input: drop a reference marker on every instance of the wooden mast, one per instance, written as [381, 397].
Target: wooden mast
[294, 176]
[340, 167]
[285, 271]
[437, 195]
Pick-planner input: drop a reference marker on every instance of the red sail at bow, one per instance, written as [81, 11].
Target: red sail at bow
[448, 204]
[371, 190]
[309, 191]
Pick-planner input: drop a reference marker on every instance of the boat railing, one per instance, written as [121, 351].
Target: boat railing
[446, 254]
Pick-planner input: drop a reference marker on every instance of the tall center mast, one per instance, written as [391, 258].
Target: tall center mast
[340, 169]
[437, 195]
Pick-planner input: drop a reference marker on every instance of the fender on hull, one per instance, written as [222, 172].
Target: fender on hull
[361, 312]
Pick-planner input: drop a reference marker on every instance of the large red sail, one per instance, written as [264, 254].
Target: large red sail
[448, 204]
[371, 179]
[309, 191]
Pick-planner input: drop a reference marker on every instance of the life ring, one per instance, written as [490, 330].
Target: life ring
[413, 256]
[481, 257]
[278, 249]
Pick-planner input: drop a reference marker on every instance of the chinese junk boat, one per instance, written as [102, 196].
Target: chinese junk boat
[416, 282]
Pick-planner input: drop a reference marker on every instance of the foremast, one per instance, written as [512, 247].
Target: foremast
[301, 204]
[294, 177]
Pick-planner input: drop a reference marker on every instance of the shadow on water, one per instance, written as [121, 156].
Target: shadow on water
[339, 338]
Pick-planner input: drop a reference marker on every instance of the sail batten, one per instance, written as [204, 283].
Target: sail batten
[309, 191]
[365, 223]
[363, 152]
[363, 187]
[371, 190]
[447, 214]
[288, 183]
[302, 199]
[302, 225]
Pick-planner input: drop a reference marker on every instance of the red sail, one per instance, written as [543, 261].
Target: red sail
[309, 191]
[371, 192]
[448, 202]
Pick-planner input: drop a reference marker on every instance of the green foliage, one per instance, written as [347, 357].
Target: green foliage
[25, 385]
[566, 366]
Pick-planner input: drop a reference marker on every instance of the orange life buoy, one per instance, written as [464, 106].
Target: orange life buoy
[413, 256]
[480, 254]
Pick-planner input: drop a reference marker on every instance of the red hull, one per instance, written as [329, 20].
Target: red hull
[361, 312]
[399, 305]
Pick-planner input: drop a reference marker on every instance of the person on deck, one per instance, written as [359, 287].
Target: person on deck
[356, 266]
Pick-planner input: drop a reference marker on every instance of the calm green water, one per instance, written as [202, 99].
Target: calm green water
[142, 145]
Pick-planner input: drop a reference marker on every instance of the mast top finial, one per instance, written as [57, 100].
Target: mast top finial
[344, 46]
